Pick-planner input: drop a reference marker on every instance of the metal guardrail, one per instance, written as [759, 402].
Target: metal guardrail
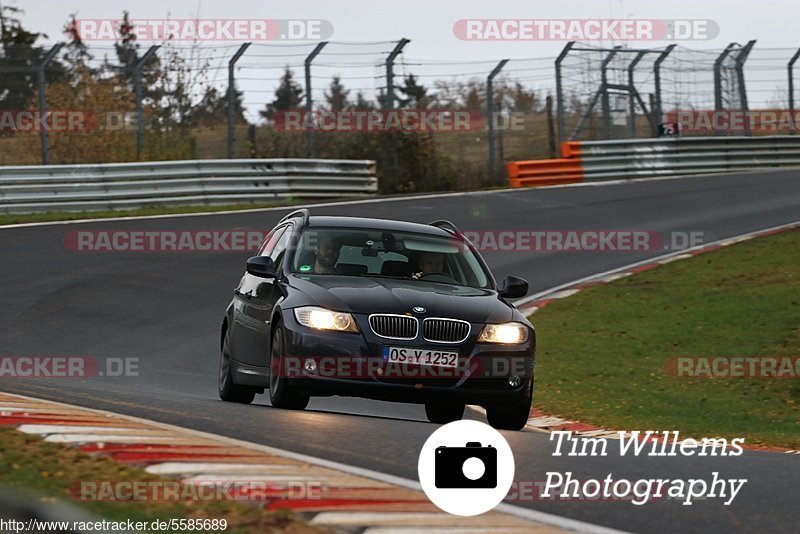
[636, 158]
[26, 189]
[666, 156]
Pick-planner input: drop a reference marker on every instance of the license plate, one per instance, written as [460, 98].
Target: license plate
[408, 355]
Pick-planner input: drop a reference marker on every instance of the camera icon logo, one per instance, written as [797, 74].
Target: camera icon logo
[466, 468]
[472, 466]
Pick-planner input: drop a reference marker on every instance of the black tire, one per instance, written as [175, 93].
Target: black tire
[444, 412]
[509, 418]
[228, 391]
[281, 392]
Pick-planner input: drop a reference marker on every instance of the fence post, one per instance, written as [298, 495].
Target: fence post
[137, 84]
[718, 104]
[310, 151]
[43, 133]
[392, 162]
[604, 88]
[657, 108]
[232, 96]
[490, 117]
[791, 90]
[631, 93]
[560, 90]
[390, 71]
[741, 57]
[551, 134]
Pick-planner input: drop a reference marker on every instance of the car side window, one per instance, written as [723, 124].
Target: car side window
[269, 243]
[281, 243]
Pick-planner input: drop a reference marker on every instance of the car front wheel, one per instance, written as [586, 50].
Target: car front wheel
[514, 418]
[281, 392]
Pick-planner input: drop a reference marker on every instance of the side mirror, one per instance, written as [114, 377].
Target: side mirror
[262, 266]
[513, 287]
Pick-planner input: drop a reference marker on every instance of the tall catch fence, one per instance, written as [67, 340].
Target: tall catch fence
[122, 102]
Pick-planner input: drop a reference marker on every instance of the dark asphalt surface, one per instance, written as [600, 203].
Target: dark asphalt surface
[165, 309]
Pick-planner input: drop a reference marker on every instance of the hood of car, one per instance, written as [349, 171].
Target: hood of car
[367, 295]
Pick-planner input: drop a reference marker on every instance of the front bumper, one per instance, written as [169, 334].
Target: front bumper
[352, 364]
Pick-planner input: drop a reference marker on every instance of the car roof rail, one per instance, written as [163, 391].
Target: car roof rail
[302, 212]
[446, 226]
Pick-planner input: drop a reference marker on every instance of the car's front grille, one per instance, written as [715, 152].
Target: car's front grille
[445, 330]
[394, 326]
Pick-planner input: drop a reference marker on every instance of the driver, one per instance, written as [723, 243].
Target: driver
[429, 262]
[327, 254]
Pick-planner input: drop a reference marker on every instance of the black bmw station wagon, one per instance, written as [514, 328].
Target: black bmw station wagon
[380, 309]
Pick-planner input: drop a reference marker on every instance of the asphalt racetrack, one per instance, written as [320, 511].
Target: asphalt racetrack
[166, 309]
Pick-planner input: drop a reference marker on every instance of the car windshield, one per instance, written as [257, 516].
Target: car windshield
[381, 253]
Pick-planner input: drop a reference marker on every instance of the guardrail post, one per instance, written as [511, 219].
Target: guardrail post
[232, 96]
[137, 85]
[392, 162]
[309, 101]
[791, 90]
[560, 91]
[741, 57]
[490, 117]
[658, 110]
[43, 133]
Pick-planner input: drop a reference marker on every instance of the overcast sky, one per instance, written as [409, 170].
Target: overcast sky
[429, 24]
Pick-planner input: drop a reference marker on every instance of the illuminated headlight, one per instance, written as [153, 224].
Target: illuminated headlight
[507, 333]
[322, 319]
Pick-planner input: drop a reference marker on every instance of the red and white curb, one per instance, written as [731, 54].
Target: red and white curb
[348, 498]
[544, 422]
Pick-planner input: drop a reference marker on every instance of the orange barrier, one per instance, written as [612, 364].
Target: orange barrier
[567, 170]
[571, 149]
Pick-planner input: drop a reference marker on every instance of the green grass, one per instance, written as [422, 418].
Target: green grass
[29, 465]
[138, 212]
[602, 352]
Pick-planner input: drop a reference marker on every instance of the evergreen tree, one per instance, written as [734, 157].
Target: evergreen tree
[19, 51]
[77, 55]
[416, 95]
[213, 108]
[361, 103]
[288, 95]
[337, 97]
